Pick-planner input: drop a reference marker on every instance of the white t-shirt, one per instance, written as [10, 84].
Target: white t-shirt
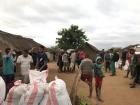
[65, 57]
[25, 63]
[73, 57]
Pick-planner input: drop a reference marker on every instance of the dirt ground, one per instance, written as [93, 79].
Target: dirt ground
[115, 89]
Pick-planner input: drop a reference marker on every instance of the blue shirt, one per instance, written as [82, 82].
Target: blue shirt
[8, 65]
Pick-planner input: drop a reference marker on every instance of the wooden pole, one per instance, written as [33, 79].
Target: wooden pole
[73, 93]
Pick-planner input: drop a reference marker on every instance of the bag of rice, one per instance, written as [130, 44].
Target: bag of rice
[2, 90]
[56, 94]
[15, 93]
[37, 76]
[34, 94]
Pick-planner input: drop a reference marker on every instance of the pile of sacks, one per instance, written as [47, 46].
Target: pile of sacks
[38, 92]
[2, 91]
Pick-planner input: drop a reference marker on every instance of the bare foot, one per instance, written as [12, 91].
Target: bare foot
[89, 96]
[100, 100]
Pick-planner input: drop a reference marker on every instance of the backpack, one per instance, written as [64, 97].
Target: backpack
[116, 57]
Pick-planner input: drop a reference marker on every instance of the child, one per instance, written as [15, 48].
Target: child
[98, 77]
[86, 68]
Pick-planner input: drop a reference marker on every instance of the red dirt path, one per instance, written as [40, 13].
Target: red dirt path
[115, 89]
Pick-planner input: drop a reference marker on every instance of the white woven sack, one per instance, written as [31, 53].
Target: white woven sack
[15, 94]
[58, 93]
[2, 90]
[37, 76]
[34, 94]
[45, 100]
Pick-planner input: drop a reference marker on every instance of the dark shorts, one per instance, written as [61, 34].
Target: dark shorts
[98, 81]
[87, 77]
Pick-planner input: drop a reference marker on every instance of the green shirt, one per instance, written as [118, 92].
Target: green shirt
[8, 65]
[98, 70]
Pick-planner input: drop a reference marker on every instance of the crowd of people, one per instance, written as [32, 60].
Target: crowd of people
[12, 63]
[131, 62]
[95, 68]
[89, 67]
[67, 61]
[105, 61]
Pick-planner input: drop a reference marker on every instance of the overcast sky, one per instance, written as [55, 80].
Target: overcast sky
[108, 23]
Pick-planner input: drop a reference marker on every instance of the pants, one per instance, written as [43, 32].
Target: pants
[137, 74]
[98, 81]
[123, 63]
[112, 67]
[107, 65]
[131, 70]
[25, 78]
[66, 66]
[9, 81]
[72, 66]
[1, 71]
[9, 78]
[87, 77]
[60, 64]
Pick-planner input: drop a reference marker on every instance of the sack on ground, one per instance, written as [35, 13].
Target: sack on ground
[45, 100]
[58, 94]
[34, 94]
[2, 90]
[37, 76]
[15, 94]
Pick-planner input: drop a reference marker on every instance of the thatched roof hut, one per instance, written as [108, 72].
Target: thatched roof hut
[15, 41]
[131, 46]
[90, 50]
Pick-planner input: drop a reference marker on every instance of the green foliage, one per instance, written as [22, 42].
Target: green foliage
[83, 100]
[71, 38]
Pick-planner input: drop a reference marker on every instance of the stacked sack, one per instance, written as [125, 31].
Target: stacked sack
[2, 91]
[28, 94]
[38, 92]
[15, 93]
[56, 94]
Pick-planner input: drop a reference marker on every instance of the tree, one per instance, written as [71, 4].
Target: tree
[71, 38]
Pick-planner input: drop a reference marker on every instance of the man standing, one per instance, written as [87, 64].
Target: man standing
[107, 61]
[72, 61]
[24, 63]
[60, 62]
[42, 59]
[65, 61]
[102, 53]
[8, 68]
[86, 68]
[137, 73]
[112, 63]
[132, 59]
[34, 53]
